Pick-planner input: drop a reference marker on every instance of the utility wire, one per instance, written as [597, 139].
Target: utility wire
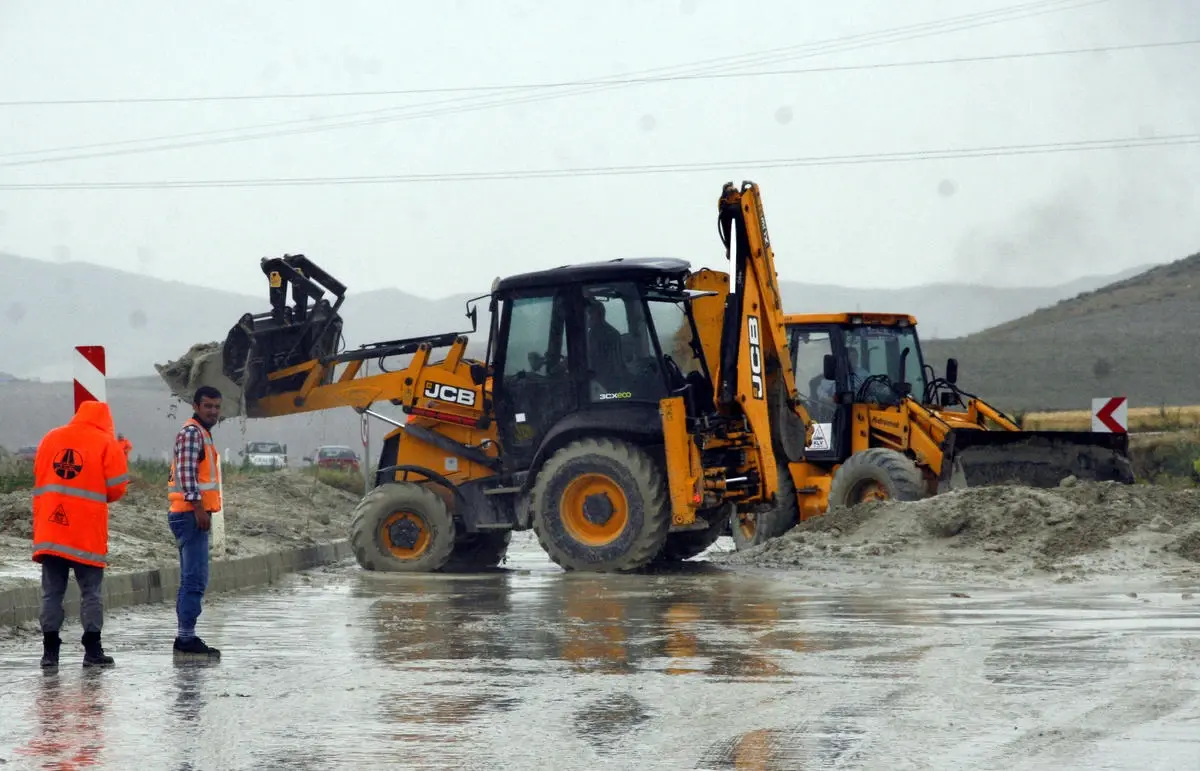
[626, 81]
[648, 169]
[462, 104]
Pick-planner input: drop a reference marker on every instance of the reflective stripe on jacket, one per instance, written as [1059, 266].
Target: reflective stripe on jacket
[208, 476]
[79, 469]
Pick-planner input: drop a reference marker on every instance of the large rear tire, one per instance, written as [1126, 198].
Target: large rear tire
[402, 527]
[877, 474]
[751, 530]
[600, 505]
[690, 543]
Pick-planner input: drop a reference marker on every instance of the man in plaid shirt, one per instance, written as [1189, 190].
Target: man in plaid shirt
[191, 527]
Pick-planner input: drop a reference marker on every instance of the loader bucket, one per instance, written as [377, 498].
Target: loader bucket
[260, 344]
[1036, 458]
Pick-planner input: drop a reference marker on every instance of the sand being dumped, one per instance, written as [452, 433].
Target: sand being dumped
[200, 366]
[1068, 533]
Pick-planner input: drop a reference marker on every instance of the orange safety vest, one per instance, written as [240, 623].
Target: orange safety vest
[208, 476]
[79, 469]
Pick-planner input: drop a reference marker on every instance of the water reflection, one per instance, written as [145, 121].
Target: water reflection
[708, 624]
[70, 715]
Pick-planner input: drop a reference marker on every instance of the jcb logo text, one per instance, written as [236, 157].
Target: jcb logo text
[448, 393]
[756, 376]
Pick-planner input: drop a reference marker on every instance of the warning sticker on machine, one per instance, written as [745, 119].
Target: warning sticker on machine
[820, 438]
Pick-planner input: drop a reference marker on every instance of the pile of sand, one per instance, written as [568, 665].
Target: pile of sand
[202, 365]
[1072, 531]
[267, 512]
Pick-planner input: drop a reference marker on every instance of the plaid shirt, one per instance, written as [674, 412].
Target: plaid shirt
[189, 451]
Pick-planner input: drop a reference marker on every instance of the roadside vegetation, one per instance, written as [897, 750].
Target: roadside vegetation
[1141, 419]
[1169, 458]
[148, 474]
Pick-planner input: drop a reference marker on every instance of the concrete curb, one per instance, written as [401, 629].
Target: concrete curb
[23, 603]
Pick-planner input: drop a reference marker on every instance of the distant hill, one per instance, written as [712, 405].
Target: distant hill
[1138, 337]
[143, 320]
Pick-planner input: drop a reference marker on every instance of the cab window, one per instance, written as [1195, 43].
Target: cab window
[809, 347]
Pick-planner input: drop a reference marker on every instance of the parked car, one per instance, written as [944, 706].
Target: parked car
[336, 457]
[266, 454]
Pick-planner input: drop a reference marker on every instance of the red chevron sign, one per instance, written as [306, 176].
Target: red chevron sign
[1111, 415]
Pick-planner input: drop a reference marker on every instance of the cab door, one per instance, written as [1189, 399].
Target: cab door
[535, 384]
[810, 345]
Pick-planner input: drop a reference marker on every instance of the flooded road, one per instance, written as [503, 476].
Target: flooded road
[702, 668]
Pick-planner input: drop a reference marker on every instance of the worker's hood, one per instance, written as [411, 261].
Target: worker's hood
[96, 415]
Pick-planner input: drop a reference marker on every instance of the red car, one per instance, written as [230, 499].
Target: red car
[335, 457]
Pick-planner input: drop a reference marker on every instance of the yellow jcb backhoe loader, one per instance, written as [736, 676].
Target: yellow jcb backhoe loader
[898, 431]
[579, 425]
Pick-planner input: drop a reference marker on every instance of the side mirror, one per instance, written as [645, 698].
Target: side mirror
[285, 449]
[952, 370]
[829, 367]
[473, 315]
[479, 373]
[242, 453]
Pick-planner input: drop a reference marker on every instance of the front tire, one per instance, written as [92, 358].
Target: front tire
[877, 474]
[600, 505]
[402, 527]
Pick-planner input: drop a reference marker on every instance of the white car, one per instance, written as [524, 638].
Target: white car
[266, 454]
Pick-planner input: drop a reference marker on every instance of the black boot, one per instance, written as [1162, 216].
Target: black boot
[93, 653]
[51, 642]
[196, 647]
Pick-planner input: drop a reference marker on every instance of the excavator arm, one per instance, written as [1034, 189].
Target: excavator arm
[755, 366]
[285, 361]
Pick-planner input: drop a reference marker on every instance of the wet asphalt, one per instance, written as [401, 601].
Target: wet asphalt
[698, 668]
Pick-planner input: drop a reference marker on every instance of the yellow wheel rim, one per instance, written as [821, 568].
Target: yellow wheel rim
[871, 491]
[405, 534]
[748, 525]
[594, 509]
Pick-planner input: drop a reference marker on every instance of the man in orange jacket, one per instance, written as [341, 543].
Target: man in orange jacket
[79, 469]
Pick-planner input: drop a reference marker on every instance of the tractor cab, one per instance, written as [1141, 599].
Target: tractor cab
[842, 359]
[596, 344]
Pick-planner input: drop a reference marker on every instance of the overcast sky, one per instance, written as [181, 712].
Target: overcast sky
[1007, 219]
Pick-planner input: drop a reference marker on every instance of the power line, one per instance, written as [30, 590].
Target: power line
[628, 170]
[458, 105]
[544, 85]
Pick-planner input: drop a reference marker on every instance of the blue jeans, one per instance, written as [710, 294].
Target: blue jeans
[193, 569]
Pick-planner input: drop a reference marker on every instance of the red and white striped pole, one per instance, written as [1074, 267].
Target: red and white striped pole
[89, 374]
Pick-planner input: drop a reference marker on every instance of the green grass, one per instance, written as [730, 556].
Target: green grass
[150, 474]
[349, 481]
[1168, 460]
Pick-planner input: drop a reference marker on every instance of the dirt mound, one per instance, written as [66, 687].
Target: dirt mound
[202, 365]
[263, 513]
[1081, 527]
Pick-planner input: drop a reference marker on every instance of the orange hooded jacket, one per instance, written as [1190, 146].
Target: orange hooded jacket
[79, 469]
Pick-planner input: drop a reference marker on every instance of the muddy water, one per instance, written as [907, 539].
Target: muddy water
[530, 668]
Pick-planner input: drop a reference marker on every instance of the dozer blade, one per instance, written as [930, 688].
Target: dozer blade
[1036, 458]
